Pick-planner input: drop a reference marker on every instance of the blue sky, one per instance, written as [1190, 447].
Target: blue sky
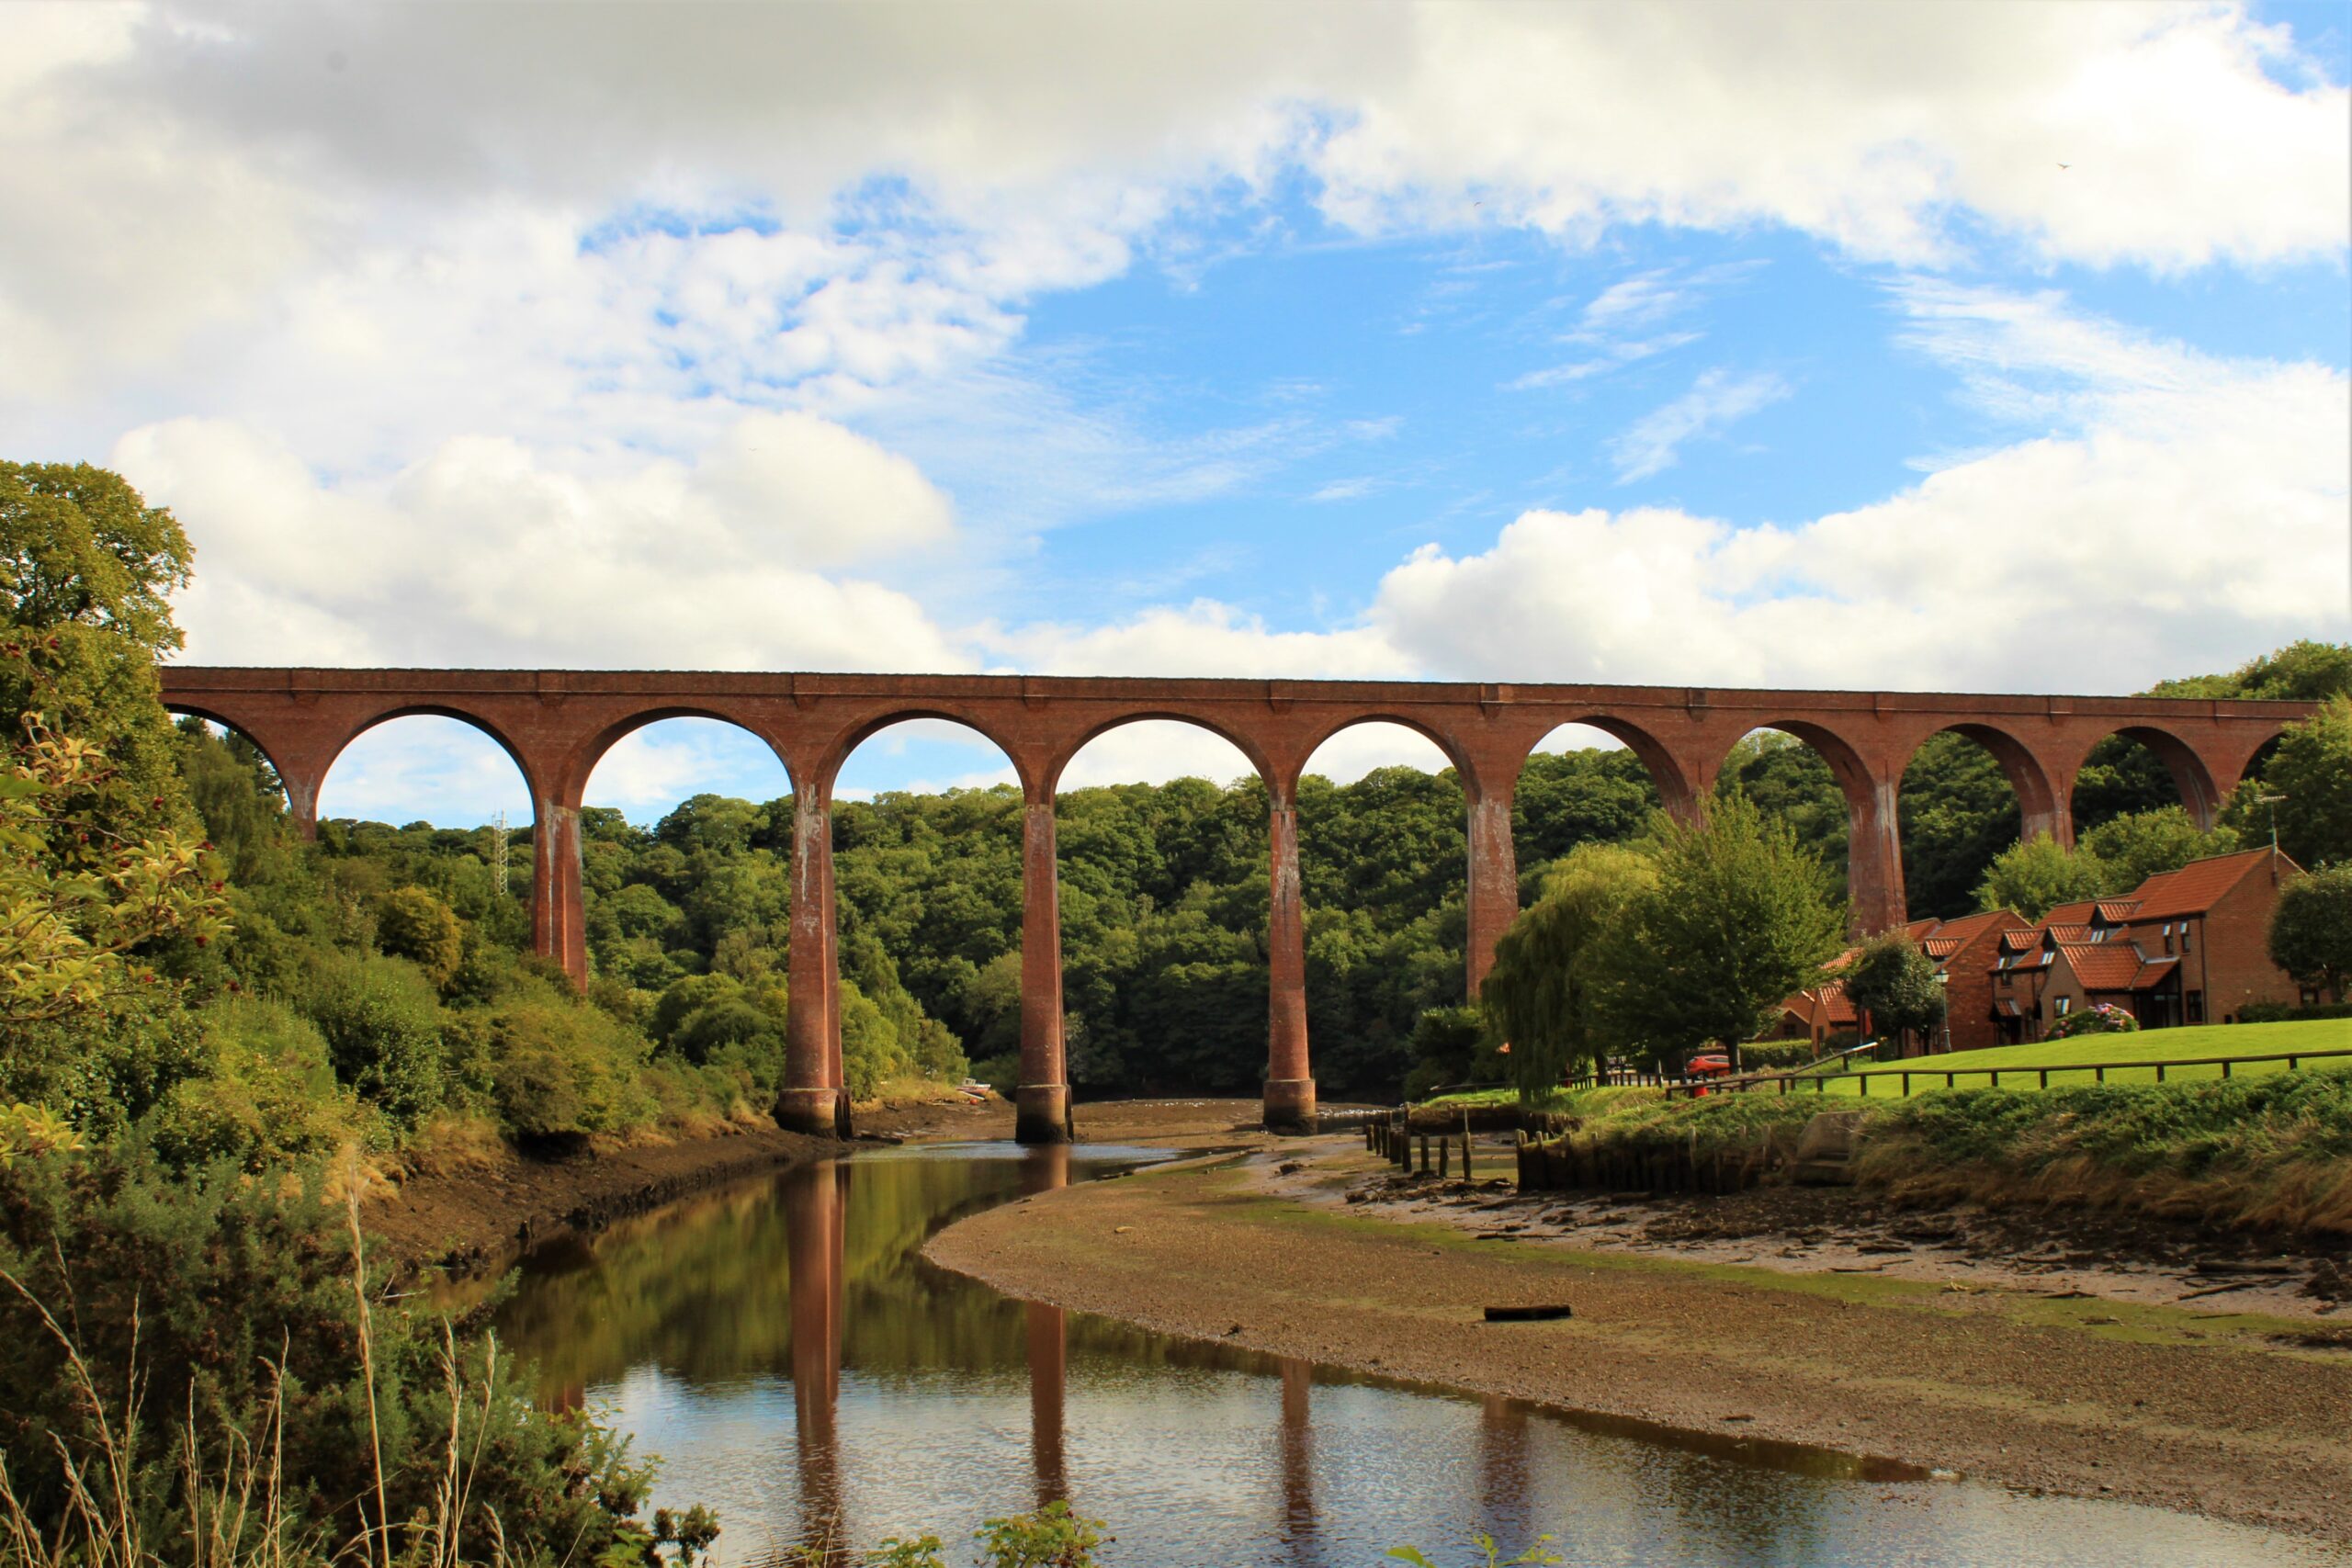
[1634, 343]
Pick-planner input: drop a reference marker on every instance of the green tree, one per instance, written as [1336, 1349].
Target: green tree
[2131, 849]
[79, 546]
[1538, 998]
[2035, 877]
[2311, 930]
[1895, 982]
[2311, 773]
[412, 923]
[1450, 1046]
[1741, 916]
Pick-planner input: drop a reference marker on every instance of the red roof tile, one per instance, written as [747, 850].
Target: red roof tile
[2109, 965]
[1968, 928]
[2078, 931]
[2199, 886]
[2071, 914]
[2115, 911]
[1940, 946]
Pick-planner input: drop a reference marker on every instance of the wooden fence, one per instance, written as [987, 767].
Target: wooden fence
[1952, 1075]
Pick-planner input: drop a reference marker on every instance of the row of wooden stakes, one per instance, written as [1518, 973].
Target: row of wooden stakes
[1394, 1141]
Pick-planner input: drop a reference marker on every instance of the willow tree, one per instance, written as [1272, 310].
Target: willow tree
[1538, 999]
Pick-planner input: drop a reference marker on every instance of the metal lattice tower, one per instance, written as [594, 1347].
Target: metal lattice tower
[498, 855]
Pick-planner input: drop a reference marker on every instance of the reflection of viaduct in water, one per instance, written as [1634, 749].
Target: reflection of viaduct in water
[816, 1212]
[557, 724]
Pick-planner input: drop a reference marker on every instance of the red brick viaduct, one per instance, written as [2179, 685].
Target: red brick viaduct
[557, 724]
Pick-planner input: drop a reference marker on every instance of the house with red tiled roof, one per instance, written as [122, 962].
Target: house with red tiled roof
[1961, 950]
[2185, 946]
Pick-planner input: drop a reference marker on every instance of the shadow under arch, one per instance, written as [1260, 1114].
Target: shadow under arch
[2192, 781]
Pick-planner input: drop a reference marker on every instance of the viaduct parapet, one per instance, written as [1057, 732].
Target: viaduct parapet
[556, 725]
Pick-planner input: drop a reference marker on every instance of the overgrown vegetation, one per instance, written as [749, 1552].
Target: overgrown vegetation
[2271, 1151]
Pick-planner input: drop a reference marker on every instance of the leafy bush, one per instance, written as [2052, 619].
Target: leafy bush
[2104, 1019]
[269, 1097]
[562, 1068]
[2284, 1012]
[382, 1026]
[1775, 1055]
[233, 1307]
[412, 923]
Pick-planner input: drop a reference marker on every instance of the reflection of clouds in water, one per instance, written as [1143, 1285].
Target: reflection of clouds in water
[682, 1324]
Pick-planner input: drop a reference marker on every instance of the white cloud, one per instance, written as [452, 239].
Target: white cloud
[482, 554]
[2191, 512]
[1715, 401]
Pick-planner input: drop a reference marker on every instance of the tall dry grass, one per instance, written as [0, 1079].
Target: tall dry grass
[230, 1511]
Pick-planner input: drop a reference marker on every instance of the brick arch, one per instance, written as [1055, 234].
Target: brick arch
[194, 710]
[579, 765]
[534, 772]
[1674, 790]
[845, 745]
[2039, 810]
[1874, 897]
[2192, 776]
[1238, 739]
[1457, 756]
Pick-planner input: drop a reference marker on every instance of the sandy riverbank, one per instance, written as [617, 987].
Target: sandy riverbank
[2241, 1416]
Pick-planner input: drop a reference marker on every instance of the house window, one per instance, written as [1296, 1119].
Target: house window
[2196, 1004]
[2062, 1003]
[2184, 936]
[2168, 936]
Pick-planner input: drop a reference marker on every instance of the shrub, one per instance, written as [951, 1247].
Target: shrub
[270, 1096]
[241, 1306]
[2104, 1019]
[382, 1027]
[562, 1068]
[412, 923]
[2284, 1012]
[1775, 1055]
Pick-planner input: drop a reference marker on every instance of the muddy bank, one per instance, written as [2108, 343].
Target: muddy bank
[2236, 1414]
[472, 1211]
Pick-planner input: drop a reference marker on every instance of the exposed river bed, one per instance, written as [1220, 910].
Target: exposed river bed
[797, 1365]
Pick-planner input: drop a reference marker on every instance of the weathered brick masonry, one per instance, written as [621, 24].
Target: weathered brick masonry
[556, 724]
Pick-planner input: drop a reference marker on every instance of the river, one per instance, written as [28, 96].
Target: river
[785, 1348]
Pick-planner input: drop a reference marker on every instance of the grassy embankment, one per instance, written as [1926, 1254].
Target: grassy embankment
[2265, 1148]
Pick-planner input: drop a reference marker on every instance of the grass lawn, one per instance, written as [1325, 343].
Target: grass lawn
[2019, 1066]
[1973, 1069]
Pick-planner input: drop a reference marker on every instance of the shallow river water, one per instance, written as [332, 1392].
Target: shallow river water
[784, 1348]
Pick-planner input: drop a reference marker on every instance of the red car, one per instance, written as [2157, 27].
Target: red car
[1708, 1065]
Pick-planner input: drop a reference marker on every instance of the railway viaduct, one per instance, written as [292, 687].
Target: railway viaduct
[557, 724]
